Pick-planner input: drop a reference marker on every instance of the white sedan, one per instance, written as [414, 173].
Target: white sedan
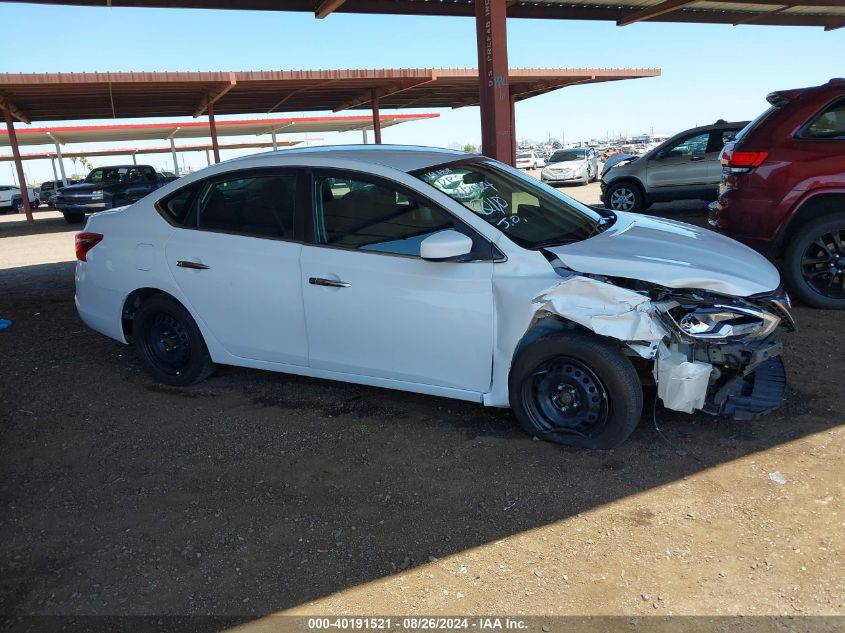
[436, 272]
[529, 160]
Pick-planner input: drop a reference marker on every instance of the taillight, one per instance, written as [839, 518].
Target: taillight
[742, 160]
[84, 243]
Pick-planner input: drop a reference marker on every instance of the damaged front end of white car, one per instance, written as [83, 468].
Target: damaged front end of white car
[706, 351]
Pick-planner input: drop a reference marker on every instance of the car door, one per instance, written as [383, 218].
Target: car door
[682, 166]
[236, 259]
[374, 307]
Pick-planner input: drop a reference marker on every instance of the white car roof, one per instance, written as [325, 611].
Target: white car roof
[402, 157]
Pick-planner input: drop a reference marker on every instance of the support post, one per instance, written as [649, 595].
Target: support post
[55, 175]
[364, 133]
[13, 141]
[61, 163]
[513, 126]
[173, 153]
[134, 158]
[207, 158]
[213, 126]
[491, 30]
[376, 119]
[275, 143]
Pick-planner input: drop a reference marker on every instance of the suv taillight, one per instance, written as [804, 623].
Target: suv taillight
[742, 161]
[84, 243]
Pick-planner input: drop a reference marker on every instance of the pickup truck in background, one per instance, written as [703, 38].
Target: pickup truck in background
[10, 198]
[107, 188]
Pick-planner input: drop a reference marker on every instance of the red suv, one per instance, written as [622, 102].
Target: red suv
[783, 190]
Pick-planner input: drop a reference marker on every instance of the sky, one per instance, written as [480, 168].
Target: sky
[708, 71]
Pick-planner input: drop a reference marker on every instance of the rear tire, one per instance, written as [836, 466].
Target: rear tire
[576, 389]
[814, 263]
[169, 344]
[74, 218]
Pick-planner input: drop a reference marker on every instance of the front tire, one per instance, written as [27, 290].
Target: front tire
[575, 389]
[624, 196]
[814, 263]
[169, 344]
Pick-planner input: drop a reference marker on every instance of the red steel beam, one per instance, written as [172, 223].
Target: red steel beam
[496, 126]
[327, 7]
[212, 125]
[654, 11]
[376, 119]
[13, 141]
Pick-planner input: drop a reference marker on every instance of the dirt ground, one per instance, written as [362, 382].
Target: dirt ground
[257, 493]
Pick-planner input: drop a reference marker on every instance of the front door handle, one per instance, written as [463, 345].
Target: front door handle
[193, 265]
[334, 283]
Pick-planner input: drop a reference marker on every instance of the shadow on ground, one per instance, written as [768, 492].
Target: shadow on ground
[253, 491]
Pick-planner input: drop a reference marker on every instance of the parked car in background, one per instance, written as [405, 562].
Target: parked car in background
[106, 188]
[529, 160]
[685, 167]
[48, 191]
[783, 190]
[10, 198]
[437, 272]
[571, 165]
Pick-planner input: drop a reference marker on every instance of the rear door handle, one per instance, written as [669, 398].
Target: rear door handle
[193, 265]
[334, 283]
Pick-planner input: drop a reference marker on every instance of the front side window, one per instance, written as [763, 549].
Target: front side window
[829, 125]
[354, 213]
[528, 212]
[261, 205]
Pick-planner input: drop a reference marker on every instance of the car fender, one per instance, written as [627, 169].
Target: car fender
[796, 203]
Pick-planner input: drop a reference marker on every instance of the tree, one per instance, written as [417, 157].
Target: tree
[470, 148]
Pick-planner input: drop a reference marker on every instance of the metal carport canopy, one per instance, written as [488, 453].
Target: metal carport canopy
[200, 129]
[72, 96]
[829, 14]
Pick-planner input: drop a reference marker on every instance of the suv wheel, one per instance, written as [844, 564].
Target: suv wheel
[814, 263]
[575, 389]
[624, 196]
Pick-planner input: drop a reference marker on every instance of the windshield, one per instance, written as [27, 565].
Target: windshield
[527, 211]
[107, 174]
[562, 157]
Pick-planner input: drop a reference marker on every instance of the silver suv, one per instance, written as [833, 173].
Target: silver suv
[686, 167]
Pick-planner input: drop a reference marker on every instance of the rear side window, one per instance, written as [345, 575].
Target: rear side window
[830, 124]
[258, 205]
[176, 207]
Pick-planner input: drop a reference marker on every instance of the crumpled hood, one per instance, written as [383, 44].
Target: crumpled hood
[671, 254]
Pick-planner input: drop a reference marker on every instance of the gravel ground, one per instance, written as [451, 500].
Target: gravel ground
[256, 493]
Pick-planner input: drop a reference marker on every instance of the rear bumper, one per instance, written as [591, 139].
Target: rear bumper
[100, 308]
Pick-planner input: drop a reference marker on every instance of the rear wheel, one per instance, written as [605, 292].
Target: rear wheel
[169, 344]
[575, 389]
[814, 263]
[74, 218]
[624, 196]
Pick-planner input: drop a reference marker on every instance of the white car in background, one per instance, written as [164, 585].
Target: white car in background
[9, 192]
[437, 272]
[529, 160]
[579, 165]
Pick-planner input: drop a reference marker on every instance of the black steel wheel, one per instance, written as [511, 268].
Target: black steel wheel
[814, 263]
[168, 342]
[577, 389]
[565, 396]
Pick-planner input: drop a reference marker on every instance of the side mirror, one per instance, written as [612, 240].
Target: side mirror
[445, 246]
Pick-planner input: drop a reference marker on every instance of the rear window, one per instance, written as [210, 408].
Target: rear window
[754, 124]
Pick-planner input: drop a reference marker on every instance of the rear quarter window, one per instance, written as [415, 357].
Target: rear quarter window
[829, 124]
[176, 207]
